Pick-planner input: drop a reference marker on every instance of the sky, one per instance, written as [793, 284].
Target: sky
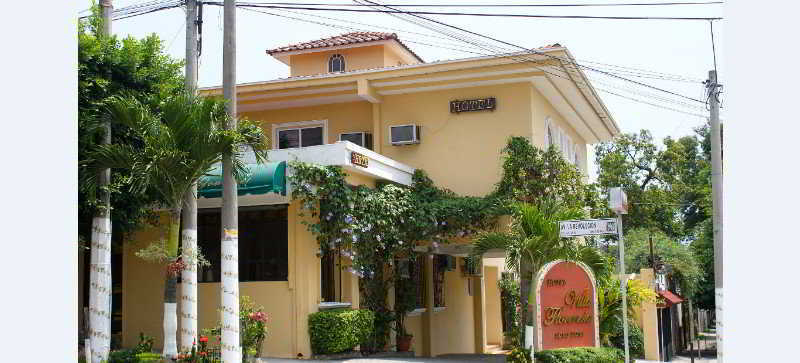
[681, 48]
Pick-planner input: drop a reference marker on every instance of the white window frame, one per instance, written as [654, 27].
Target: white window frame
[330, 63]
[299, 125]
[547, 132]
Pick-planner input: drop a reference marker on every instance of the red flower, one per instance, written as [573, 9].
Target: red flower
[203, 339]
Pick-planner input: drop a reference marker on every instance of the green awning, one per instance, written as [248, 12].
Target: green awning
[262, 179]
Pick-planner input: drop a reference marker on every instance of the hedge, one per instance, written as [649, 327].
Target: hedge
[580, 355]
[339, 330]
[635, 338]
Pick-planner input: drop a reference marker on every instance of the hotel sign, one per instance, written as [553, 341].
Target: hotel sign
[566, 307]
[587, 227]
[359, 159]
[481, 104]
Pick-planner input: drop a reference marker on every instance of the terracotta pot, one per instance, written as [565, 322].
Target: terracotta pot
[404, 343]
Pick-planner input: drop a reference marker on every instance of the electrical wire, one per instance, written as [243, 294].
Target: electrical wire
[259, 5]
[502, 5]
[551, 56]
[528, 59]
[662, 99]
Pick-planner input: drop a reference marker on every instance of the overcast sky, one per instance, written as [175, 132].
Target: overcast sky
[680, 48]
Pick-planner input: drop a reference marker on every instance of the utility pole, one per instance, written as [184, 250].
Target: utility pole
[231, 349]
[716, 185]
[100, 259]
[188, 332]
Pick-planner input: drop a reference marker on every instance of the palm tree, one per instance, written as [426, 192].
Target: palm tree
[532, 241]
[179, 145]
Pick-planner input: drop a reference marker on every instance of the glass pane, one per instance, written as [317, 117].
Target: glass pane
[312, 136]
[355, 138]
[288, 139]
[402, 133]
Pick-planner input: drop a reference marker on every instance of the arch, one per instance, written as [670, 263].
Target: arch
[336, 63]
[540, 275]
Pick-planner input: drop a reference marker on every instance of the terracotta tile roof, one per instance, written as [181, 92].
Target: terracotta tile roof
[342, 39]
[670, 298]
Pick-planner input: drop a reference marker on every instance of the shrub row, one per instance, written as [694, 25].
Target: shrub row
[339, 330]
[580, 355]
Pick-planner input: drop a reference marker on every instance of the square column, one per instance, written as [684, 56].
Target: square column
[427, 316]
[479, 311]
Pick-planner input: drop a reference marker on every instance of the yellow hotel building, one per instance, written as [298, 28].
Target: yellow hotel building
[369, 94]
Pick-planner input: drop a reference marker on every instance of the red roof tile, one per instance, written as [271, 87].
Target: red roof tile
[342, 39]
[670, 298]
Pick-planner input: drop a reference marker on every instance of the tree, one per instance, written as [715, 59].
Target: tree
[703, 249]
[685, 267]
[179, 144]
[109, 67]
[531, 174]
[533, 241]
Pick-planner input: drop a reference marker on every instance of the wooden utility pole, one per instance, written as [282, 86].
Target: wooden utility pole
[716, 188]
[231, 349]
[100, 259]
[188, 332]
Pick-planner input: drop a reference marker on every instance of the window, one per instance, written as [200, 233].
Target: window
[263, 244]
[336, 63]
[299, 134]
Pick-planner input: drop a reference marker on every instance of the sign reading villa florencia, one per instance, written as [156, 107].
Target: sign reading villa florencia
[359, 159]
[566, 306]
[588, 227]
[481, 104]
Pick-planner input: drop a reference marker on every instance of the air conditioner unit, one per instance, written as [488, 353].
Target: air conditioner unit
[404, 134]
[474, 269]
[363, 139]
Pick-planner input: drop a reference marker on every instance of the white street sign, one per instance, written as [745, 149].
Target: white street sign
[588, 227]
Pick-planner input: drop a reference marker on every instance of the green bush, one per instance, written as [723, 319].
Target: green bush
[339, 330]
[635, 339]
[148, 357]
[519, 355]
[580, 355]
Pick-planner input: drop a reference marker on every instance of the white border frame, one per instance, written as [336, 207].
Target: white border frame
[540, 279]
[416, 136]
[299, 125]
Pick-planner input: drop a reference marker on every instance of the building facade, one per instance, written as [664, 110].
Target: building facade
[368, 103]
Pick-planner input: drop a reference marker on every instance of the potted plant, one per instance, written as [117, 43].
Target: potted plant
[405, 302]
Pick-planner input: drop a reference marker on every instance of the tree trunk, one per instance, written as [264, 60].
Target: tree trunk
[170, 287]
[100, 288]
[525, 302]
[189, 274]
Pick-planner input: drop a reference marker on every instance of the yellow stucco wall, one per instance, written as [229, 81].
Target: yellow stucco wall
[354, 58]
[453, 327]
[458, 151]
[342, 117]
[541, 110]
[287, 303]
[494, 318]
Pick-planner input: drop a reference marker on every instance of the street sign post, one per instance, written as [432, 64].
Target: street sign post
[588, 227]
[618, 202]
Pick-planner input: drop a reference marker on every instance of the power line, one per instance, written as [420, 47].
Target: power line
[259, 5]
[459, 38]
[551, 56]
[631, 71]
[501, 5]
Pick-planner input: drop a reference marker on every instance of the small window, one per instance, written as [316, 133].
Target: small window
[263, 244]
[336, 63]
[300, 137]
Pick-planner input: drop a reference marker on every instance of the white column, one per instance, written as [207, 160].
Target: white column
[188, 329]
[100, 289]
[230, 297]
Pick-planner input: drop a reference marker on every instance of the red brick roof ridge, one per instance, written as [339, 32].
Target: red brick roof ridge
[342, 39]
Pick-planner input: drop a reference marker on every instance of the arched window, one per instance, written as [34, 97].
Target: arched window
[336, 63]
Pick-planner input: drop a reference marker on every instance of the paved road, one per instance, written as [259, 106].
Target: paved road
[447, 358]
